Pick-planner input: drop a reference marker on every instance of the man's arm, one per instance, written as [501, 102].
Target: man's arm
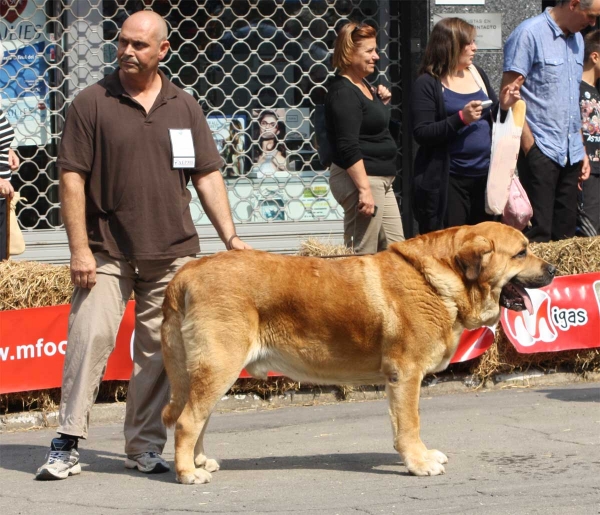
[586, 168]
[515, 80]
[212, 193]
[72, 198]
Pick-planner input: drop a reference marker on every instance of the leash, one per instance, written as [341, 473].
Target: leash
[333, 256]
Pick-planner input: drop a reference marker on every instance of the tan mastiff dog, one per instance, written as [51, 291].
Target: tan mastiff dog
[391, 318]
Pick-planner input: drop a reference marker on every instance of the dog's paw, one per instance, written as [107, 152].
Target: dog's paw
[208, 464]
[199, 476]
[211, 465]
[426, 465]
[436, 455]
[202, 476]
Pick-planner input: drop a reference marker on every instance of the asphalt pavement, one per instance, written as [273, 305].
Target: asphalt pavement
[513, 451]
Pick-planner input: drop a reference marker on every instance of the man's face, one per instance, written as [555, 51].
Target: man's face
[268, 127]
[139, 49]
[581, 18]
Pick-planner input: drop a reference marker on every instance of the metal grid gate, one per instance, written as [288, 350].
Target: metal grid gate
[258, 68]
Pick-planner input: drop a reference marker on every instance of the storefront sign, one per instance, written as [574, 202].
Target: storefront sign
[488, 26]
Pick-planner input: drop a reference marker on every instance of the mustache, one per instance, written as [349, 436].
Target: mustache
[129, 60]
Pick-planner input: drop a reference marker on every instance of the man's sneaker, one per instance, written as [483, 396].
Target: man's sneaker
[62, 460]
[148, 463]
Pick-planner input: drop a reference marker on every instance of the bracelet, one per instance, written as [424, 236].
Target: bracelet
[462, 117]
[230, 240]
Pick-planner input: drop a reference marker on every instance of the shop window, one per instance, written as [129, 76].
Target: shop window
[257, 67]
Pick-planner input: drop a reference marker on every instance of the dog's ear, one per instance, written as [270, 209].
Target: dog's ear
[473, 255]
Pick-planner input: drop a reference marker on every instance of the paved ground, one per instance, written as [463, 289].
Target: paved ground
[516, 451]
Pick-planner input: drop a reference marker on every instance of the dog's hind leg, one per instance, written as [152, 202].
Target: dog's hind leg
[403, 389]
[213, 367]
[207, 387]
[200, 459]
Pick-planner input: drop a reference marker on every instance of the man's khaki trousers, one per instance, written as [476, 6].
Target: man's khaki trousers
[93, 324]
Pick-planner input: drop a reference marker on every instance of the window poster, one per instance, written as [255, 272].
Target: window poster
[27, 52]
[269, 167]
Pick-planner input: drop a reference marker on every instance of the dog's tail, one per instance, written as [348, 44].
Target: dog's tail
[173, 349]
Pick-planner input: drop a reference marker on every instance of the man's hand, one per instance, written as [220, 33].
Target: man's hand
[83, 268]
[13, 160]
[6, 189]
[527, 139]
[236, 243]
[584, 173]
[510, 91]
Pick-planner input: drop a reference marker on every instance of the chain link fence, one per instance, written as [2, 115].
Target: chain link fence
[258, 68]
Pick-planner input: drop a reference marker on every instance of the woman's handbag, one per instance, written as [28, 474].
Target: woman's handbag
[506, 142]
[518, 210]
[16, 240]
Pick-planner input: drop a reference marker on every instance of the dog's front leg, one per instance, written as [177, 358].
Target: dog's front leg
[403, 391]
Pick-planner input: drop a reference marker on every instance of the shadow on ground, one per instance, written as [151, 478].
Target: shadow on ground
[571, 395]
[27, 458]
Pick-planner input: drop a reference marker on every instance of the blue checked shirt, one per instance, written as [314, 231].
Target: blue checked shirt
[552, 64]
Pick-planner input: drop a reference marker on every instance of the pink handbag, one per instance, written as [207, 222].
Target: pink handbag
[518, 210]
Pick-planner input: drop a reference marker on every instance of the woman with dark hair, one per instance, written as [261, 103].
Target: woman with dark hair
[452, 121]
[364, 152]
[271, 153]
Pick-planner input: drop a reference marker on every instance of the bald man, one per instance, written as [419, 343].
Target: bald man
[130, 145]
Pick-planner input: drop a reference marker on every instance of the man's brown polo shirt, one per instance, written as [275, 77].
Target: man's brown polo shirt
[137, 205]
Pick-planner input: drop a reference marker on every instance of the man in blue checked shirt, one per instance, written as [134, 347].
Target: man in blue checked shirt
[545, 54]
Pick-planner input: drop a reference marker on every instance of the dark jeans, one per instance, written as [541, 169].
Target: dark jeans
[591, 199]
[466, 201]
[552, 191]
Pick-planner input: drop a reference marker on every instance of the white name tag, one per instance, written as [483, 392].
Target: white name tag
[182, 148]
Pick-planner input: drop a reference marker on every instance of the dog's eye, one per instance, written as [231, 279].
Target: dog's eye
[521, 254]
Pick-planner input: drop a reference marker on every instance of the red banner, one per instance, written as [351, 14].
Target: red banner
[473, 344]
[33, 343]
[566, 316]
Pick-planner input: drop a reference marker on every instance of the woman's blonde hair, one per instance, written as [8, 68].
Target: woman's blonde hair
[346, 42]
[446, 42]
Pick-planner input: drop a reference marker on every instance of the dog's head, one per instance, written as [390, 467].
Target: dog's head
[479, 268]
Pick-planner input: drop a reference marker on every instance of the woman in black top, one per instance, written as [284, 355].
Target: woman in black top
[364, 152]
[453, 129]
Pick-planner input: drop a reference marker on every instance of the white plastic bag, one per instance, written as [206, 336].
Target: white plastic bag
[506, 142]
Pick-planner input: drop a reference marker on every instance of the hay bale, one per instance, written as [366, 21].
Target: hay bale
[572, 256]
[503, 358]
[317, 248]
[28, 284]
